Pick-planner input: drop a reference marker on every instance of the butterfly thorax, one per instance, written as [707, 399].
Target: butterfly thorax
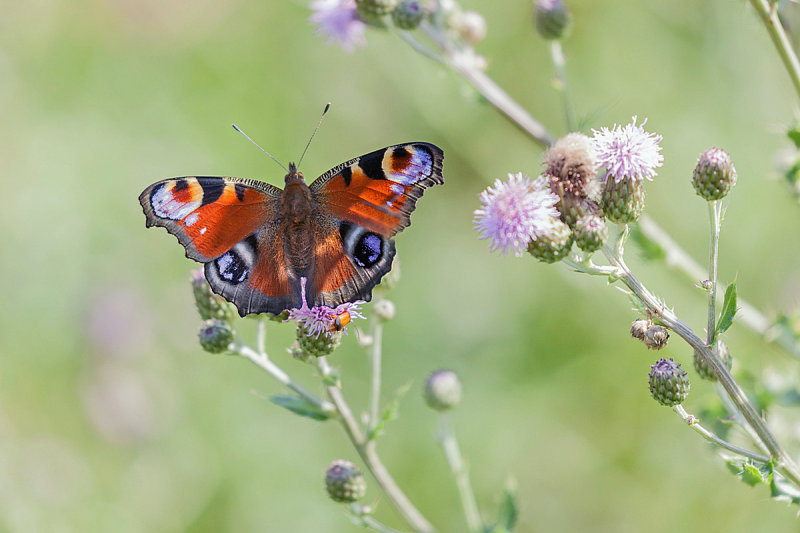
[296, 205]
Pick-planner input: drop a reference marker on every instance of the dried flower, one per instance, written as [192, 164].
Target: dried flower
[338, 20]
[628, 151]
[515, 212]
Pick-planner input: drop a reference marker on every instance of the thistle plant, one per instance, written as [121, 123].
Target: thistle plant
[582, 209]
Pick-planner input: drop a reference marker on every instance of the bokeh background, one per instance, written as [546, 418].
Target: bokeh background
[113, 419]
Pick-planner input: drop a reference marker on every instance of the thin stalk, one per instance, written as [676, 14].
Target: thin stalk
[711, 437]
[714, 216]
[557, 55]
[263, 361]
[447, 439]
[368, 453]
[768, 12]
[732, 388]
[261, 336]
[375, 359]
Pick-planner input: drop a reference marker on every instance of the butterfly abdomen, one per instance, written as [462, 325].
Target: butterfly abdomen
[296, 213]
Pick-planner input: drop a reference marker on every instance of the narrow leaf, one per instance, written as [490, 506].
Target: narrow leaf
[509, 509]
[728, 309]
[389, 413]
[650, 249]
[300, 406]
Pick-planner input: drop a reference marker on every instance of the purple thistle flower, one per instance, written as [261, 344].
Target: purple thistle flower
[628, 151]
[320, 319]
[515, 212]
[337, 20]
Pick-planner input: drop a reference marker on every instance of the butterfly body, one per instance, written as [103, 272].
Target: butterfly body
[260, 243]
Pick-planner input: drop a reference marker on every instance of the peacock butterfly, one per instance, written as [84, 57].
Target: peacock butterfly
[260, 243]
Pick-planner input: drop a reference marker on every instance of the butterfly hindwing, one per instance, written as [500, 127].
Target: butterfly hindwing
[378, 191]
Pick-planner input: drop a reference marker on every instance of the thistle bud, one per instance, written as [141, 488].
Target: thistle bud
[442, 390]
[590, 233]
[319, 343]
[215, 336]
[622, 201]
[374, 8]
[551, 18]
[209, 305]
[669, 384]
[552, 246]
[714, 175]
[704, 370]
[408, 14]
[344, 482]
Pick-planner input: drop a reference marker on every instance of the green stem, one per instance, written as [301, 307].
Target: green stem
[557, 55]
[714, 215]
[768, 12]
[375, 360]
[447, 439]
[368, 453]
[694, 423]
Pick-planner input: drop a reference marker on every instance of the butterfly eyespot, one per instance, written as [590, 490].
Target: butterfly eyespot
[368, 249]
[231, 268]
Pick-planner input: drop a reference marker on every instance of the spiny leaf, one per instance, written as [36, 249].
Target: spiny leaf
[389, 413]
[300, 406]
[728, 309]
[650, 249]
[748, 472]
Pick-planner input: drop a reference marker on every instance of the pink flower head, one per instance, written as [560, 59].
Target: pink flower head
[628, 151]
[321, 319]
[337, 20]
[515, 212]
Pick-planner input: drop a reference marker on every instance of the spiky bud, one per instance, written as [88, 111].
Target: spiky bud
[551, 18]
[442, 390]
[317, 344]
[552, 246]
[408, 14]
[209, 305]
[590, 233]
[215, 335]
[374, 8]
[383, 309]
[344, 482]
[639, 327]
[669, 384]
[655, 337]
[704, 370]
[622, 201]
[714, 175]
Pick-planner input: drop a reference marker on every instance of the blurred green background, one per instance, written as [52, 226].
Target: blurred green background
[113, 419]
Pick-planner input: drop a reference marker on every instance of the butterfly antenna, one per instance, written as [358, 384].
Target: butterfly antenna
[257, 146]
[327, 106]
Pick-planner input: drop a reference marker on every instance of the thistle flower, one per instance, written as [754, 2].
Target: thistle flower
[337, 20]
[344, 481]
[628, 151]
[515, 212]
[321, 319]
[668, 382]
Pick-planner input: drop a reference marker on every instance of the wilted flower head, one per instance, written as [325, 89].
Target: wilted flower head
[338, 20]
[628, 151]
[515, 212]
[320, 319]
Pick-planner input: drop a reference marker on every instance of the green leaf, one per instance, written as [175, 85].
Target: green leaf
[749, 473]
[509, 509]
[781, 490]
[794, 136]
[728, 309]
[389, 413]
[650, 249]
[300, 406]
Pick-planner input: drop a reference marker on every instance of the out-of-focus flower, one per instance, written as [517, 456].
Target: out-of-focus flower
[344, 481]
[322, 319]
[338, 20]
[628, 151]
[552, 19]
[516, 212]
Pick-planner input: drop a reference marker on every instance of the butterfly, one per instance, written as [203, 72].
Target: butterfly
[267, 249]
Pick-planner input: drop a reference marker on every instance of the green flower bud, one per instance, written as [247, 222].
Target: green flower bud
[551, 18]
[344, 482]
[318, 345]
[622, 202]
[408, 14]
[442, 390]
[669, 384]
[590, 233]
[714, 175]
[209, 305]
[552, 246]
[705, 371]
[374, 8]
[215, 336]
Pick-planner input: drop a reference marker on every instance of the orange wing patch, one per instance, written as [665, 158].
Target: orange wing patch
[333, 268]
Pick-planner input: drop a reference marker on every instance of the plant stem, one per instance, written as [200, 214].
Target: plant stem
[449, 444]
[557, 55]
[694, 423]
[768, 12]
[261, 336]
[368, 453]
[732, 388]
[265, 363]
[375, 361]
[714, 215]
